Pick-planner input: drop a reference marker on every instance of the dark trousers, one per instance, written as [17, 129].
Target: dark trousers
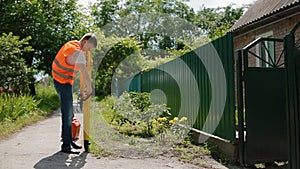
[65, 93]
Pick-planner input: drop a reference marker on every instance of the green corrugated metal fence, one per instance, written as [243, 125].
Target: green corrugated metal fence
[198, 85]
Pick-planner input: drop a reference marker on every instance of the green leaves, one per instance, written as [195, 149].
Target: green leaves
[50, 23]
[217, 21]
[13, 106]
[122, 60]
[133, 114]
[137, 108]
[14, 72]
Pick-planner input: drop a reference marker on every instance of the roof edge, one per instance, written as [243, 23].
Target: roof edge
[292, 5]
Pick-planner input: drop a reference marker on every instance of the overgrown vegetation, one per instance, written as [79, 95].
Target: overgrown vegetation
[47, 96]
[119, 130]
[134, 114]
[14, 106]
[17, 111]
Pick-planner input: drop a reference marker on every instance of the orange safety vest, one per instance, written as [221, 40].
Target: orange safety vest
[62, 72]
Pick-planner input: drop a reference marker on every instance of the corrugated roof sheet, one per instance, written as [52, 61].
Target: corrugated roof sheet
[261, 9]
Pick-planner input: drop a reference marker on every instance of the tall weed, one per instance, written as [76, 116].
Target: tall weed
[13, 106]
[133, 114]
[17, 111]
[49, 101]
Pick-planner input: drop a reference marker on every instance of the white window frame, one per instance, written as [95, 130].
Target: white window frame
[264, 35]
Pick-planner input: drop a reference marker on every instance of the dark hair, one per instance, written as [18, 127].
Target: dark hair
[91, 38]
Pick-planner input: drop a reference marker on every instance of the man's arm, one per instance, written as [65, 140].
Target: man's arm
[78, 59]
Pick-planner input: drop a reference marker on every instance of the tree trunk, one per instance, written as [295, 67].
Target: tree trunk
[32, 89]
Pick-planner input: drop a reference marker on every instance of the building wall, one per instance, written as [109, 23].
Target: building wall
[279, 28]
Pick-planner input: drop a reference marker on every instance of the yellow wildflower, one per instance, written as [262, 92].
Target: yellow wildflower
[161, 119]
[183, 119]
[171, 121]
[175, 119]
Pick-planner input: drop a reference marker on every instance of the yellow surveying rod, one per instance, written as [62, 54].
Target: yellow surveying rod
[86, 104]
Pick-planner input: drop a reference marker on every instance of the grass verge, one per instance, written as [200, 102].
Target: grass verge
[8, 127]
[20, 111]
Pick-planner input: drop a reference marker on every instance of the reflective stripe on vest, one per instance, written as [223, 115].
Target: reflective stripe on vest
[63, 68]
[63, 76]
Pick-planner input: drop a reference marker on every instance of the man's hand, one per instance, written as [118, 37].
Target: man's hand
[87, 93]
[87, 82]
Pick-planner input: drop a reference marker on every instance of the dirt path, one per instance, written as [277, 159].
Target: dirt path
[38, 146]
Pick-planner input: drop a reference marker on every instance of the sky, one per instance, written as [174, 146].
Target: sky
[217, 3]
[196, 4]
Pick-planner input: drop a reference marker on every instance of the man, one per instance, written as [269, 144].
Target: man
[68, 61]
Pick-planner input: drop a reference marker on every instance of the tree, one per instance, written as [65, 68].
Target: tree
[151, 27]
[160, 29]
[217, 21]
[142, 19]
[121, 61]
[13, 71]
[104, 12]
[50, 23]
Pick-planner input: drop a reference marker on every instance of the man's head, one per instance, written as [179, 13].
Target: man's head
[88, 41]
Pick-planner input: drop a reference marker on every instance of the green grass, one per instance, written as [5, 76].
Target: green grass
[48, 98]
[18, 111]
[13, 106]
[9, 127]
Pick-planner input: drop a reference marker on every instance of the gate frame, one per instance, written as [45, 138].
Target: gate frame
[241, 65]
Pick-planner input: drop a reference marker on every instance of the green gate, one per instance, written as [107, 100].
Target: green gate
[261, 102]
[292, 46]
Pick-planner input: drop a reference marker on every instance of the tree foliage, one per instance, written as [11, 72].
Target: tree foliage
[217, 21]
[50, 23]
[120, 61]
[144, 20]
[162, 30]
[14, 72]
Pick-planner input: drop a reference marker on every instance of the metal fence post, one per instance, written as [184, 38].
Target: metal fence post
[293, 103]
[239, 70]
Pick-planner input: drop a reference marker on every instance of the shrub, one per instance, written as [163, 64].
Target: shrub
[121, 58]
[137, 107]
[133, 114]
[48, 97]
[15, 75]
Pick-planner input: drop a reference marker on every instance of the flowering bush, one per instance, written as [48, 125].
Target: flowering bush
[133, 114]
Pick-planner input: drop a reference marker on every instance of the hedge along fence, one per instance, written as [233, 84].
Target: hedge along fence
[198, 85]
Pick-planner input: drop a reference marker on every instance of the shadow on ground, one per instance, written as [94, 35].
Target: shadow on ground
[62, 161]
